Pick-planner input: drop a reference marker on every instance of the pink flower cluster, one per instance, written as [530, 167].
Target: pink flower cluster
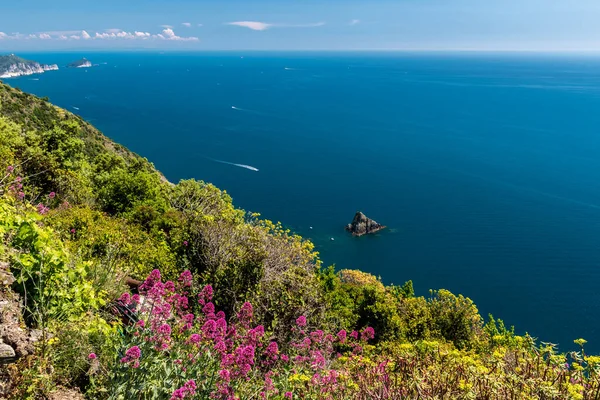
[189, 388]
[241, 349]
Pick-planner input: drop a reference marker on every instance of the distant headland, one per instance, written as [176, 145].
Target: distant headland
[12, 66]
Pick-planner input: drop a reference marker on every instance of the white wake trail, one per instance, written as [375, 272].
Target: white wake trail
[250, 167]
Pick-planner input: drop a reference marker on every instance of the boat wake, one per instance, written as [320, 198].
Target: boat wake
[250, 167]
[77, 108]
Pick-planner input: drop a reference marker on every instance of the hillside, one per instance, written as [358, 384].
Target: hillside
[231, 305]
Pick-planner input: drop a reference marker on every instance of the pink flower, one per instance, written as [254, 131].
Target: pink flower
[272, 350]
[368, 333]
[165, 329]
[42, 209]
[225, 375]
[92, 356]
[125, 298]
[73, 230]
[186, 278]
[185, 243]
[169, 286]
[245, 314]
[21, 195]
[288, 395]
[301, 321]
[208, 309]
[10, 169]
[194, 338]
[52, 195]
[205, 295]
[354, 335]
[132, 354]
[317, 336]
[285, 358]
[342, 336]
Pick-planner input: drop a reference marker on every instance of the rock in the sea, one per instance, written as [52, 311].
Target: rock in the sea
[361, 225]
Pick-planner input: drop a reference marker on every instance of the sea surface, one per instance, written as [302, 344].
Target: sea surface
[485, 167]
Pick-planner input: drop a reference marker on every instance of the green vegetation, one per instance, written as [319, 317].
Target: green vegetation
[80, 214]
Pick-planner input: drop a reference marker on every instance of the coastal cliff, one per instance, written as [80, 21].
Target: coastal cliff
[12, 66]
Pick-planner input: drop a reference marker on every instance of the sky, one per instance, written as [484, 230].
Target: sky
[520, 25]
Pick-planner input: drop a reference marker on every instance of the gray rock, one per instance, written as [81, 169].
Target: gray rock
[6, 351]
[361, 225]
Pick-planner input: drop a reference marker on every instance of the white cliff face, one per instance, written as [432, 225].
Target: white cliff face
[85, 64]
[21, 69]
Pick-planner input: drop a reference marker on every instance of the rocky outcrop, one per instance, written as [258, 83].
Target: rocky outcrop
[361, 225]
[15, 340]
[83, 63]
[12, 66]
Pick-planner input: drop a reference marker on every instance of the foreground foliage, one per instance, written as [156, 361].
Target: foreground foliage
[232, 305]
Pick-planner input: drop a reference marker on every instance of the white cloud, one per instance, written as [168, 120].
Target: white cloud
[169, 34]
[355, 22]
[263, 26]
[187, 24]
[108, 34]
[200, 24]
[254, 25]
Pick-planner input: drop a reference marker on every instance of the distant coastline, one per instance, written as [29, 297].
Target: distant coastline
[12, 66]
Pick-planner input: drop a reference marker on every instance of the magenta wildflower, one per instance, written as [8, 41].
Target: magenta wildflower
[92, 356]
[125, 298]
[225, 375]
[185, 243]
[342, 336]
[132, 354]
[52, 195]
[42, 209]
[194, 338]
[208, 309]
[245, 314]
[165, 329]
[205, 295]
[285, 358]
[354, 335]
[288, 395]
[73, 230]
[368, 333]
[169, 286]
[209, 328]
[301, 321]
[272, 351]
[21, 195]
[317, 336]
[10, 169]
[186, 278]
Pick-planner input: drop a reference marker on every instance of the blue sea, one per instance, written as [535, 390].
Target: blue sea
[485, 167]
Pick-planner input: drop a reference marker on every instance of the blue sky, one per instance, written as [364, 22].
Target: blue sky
[543, 25]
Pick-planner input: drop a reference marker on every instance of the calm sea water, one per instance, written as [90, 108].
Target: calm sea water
[486, 168]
